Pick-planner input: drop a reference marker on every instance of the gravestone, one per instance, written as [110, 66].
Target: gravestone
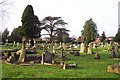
[113, 52]
[96, 56]
[14, 43]
[101, 44]
[94, 45]
[76, 53]
[69, 66]
[54, 51]
[18, 44]
[106, 45]
[47, 57]
[116, 47]
[22, 54]
[6, 41]
[29, 43]
[90, 46]
[60, 45]
[115, 68]
[64, 46]
[34, 42]
[82, 48]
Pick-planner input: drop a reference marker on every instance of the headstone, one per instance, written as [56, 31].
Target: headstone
[106, 45]
[69, 66]
[94, 45]
[96, 56]
[18, 44]
[56, 45]
[90, 48]
[113, 52]
[64, 46]
[29, 42]
[34, 42]
[115, 68]
[116, 47]
[75, 46]
[6, 41]
[54, 51]
[82, 48]
[102, 44]
[14, 43]
[76, 53]
[22, 54]
[60, 45]
[47, 57]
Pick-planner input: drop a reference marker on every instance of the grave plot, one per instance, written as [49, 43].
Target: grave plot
[17, 56]
[114, 68]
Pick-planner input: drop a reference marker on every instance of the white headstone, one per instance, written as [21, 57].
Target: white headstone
[14, 43]
[34, 42]
[6, 41]
[90, 48]
[29, 42]
[64, 46]
[94, 45]
[54, 49]
[82, 48]
[18, 44]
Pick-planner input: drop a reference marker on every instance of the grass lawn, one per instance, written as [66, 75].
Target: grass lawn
[87, 68]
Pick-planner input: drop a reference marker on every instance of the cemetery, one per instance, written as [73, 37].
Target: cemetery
[45, 49]
[74, 63]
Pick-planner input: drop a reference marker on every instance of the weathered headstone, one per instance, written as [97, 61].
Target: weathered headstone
[18, 44]
[6, 41]
[22, 54]
[116, 47]
[29, 42]
[115, 68]
[69, 66]
[76, 53]
[47, 57]
[90, 46]
[94, 45]
[82, 48]
[14, 43]
[54, 51]
[64, 46]
[106, 45]
[96, 56]
[113, 52]
[34, 42]
[60, 45]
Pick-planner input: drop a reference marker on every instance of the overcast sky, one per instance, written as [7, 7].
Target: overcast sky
[103, 12]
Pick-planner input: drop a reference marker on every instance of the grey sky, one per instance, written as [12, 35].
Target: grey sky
[74, 12]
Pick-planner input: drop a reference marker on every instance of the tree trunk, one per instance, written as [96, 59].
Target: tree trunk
[52, 42]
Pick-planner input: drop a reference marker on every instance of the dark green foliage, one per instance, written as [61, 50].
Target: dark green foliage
[117, 37]
[16, 34]
[103, 36]
[5, 35]
[62, 35]
[51, 24]
[90, 31]
[30, 27]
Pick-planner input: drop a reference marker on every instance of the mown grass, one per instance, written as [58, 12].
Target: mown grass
[88, 67]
